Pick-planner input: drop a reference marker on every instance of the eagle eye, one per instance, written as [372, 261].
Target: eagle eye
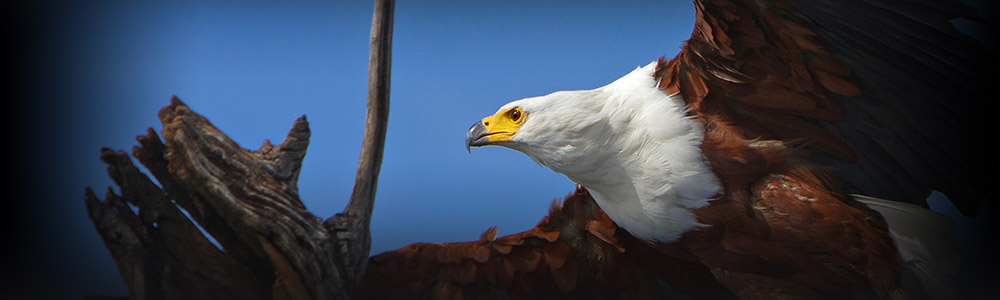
[515, 115]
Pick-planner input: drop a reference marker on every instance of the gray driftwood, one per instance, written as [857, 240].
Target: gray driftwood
[270, 246]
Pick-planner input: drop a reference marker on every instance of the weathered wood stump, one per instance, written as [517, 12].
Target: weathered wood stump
[268, 243]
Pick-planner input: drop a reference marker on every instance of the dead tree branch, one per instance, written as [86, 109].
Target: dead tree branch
[352, 224]
[268, 246]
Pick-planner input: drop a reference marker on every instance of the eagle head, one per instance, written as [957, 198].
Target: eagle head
[555, 130]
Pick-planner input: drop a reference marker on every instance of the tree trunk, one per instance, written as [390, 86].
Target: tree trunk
[267, 245]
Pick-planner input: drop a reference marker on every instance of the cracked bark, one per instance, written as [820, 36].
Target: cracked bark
[268, 246]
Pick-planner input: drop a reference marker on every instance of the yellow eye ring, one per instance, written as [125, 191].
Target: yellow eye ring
[515, 115]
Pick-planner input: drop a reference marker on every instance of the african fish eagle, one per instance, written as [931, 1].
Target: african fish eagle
[741, 153]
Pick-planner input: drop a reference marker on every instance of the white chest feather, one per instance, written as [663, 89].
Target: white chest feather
[633, 147]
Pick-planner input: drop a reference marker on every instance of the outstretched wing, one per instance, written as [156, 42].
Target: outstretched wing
[888, 92]
[575, 252]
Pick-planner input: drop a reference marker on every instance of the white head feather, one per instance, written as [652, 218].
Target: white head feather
[631, 145]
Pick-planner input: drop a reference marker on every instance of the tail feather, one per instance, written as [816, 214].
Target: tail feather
[926, 245]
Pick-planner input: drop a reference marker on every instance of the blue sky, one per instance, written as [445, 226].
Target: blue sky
[103, 70]
[106, 68]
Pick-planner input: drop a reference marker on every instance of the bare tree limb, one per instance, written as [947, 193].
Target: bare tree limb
[247, 201]
[267, 245]
[352, 225]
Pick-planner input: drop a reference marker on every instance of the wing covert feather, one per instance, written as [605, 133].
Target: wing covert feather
[888, 92]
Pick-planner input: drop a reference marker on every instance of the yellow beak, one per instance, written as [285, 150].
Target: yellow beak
[493, 130]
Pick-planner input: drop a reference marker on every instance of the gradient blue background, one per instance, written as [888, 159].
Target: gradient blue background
[97, 73]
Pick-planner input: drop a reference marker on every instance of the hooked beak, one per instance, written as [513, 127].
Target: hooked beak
[476, 136]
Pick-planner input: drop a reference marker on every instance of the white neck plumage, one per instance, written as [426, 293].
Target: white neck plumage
[634, 148]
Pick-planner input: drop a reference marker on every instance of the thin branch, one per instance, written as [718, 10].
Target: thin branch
[379, 64]
[351, 227]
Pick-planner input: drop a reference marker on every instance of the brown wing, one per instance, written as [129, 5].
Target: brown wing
[886, 91]
[789, 235]
[575, 253]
